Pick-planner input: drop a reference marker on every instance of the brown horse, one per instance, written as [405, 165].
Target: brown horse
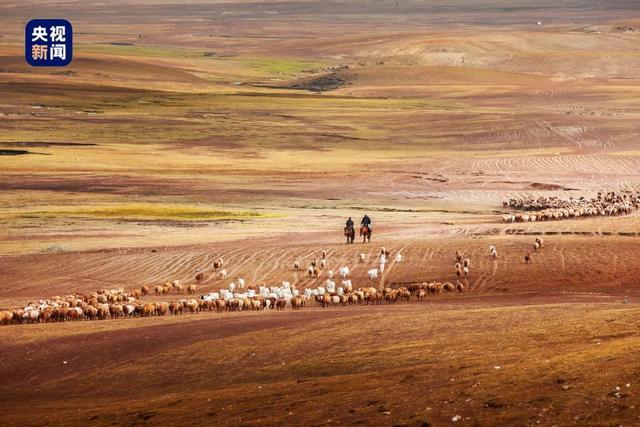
[350, 234]
[365, 232]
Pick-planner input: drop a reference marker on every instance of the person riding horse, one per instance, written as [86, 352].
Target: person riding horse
[366, 221]
[349, 231]
[365, 228]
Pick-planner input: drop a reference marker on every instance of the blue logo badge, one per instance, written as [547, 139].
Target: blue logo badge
[48, 42]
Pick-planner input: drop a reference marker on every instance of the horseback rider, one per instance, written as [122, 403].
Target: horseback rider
[366, 221]
[349, 224]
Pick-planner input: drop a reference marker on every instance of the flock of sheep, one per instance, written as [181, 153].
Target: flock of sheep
[554, 208]
[116, 303]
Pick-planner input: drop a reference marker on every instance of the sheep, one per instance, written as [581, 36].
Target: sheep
[223, 274]
[157, 289]
[383, 259]
[373, 273]
[466, 262]
[330, 274]
[5, 317]
[232, 287]
[297, 303]
[296, 265]
[218, 263]
[363, 257]
[191, 289]
[466, 271]
[199, 277]
[448, 287]
[398, 258]
[314, 262]
[241, 283]
[144, 291]
[459, 287]
[324, 254]
[344, 272]
[458, 255]
[539, 241]
[281, 304]
[421, 294]
[323, 263]
[527, 258]
[382, 268]
[536, 246]
[458, 266]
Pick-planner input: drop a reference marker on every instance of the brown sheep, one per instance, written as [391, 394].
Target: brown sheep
[115, 310]
[421, 294]
[158, 290]
[144, 291]
[297, 303]
[448, 287]
[459, 287]
[324, 254]
[199, 277]
[296, 265]
[161, 308]
[148, 310]
[527, 258]
[191, 289]
[458, 255]
[5, 317]
[220, 305]
[175, 308]
[281, 304]
[192, 306]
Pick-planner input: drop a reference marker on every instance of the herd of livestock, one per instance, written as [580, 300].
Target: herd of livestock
[554, 208]
[118, 303]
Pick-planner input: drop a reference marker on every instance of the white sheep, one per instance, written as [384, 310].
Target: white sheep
[383, 259]
[323, 263]
[399, 258]
[232, 286]
[344, 272]
[330, 274]
[241, 283]
[223, 274]
[466, 271]
[363, 257]
[373, 273]
[382, 268]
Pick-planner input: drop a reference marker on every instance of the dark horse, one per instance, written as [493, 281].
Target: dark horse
[365, 231]
[350, 234]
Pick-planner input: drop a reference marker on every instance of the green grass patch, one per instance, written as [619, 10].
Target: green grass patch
[148, 212]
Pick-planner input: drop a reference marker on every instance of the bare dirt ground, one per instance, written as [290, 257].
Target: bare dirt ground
[425, 115]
